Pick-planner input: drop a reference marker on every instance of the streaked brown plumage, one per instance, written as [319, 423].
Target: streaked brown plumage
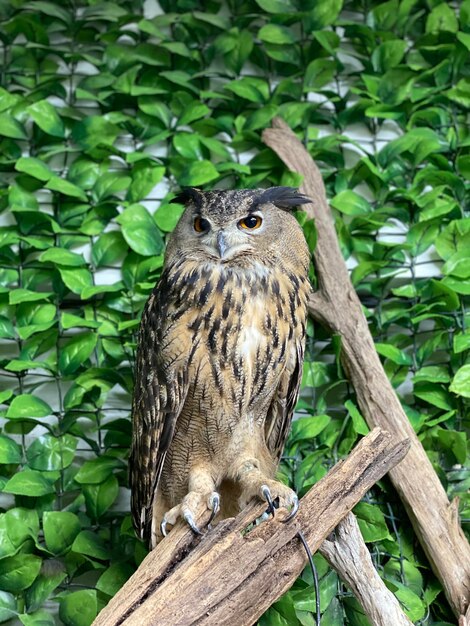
[220, 356]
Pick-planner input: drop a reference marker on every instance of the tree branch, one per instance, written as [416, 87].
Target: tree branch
[434, 519]
[234, 573]
[348, 555]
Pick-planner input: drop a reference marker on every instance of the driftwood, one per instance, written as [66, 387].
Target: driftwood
[234, 573]
[348, 555]
[337, 306]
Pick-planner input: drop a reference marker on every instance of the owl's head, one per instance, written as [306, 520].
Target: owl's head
[225, 226]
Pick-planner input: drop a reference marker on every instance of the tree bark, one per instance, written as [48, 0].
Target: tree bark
[348, 555]
[235, 572]
[337, 306]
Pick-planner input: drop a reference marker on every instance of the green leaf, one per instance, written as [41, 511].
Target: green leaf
[308, 427]
[47, 118]
[29, 483]
[140, 230]
[276, 6]
[412, 604]
[37, 618]
[434, 394]
[460, 384]
[17, 526]
[5, 395]
[324, 12]
[76, 351]
[433, 374]
[60, 530]
[315, 374]
[27, 405]
[350, 203]
[68, 320]
[193, 112]
[458, 264]
[393, 353]
[7, 606]
[455, 442]
[26, 295]
[47, 581]
[114, 578]
[76, 279]
[62, 257]
[10, 451]
[319, 73]
[388, 54]
[144, 179]
[252, 89]
[454, 238]
[79, 608]
[442, 18]
[462, 341]
[198, 173]
[97, 470]
[18, 572]
[359, 423]
[100, 497]
[9, 127]
[90, 544]
[110, 184]
[371, 522]
[94, 131]
[7, 330]
[168, 215]
[274, 33]
[34, 167]
[65, 187]
[108, 249]
[50, 453]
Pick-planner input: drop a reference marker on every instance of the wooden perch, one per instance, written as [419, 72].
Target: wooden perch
[234, 573]
[337, 306]
[349, 556]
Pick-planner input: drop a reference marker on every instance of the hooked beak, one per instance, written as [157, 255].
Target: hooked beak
[222, 245]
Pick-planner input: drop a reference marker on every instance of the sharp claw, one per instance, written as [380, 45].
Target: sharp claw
[215, 506]
[191, 523]
[267, 496]
[163, 524]
[294, 511]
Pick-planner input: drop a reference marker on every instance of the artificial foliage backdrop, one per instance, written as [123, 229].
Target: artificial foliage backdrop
[106, 109]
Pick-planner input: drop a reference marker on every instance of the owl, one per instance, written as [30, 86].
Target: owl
[219, 360]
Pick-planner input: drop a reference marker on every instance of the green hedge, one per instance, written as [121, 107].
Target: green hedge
[105, 110]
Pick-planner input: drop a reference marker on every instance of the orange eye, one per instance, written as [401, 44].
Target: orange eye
[252, 222]
[201, 225]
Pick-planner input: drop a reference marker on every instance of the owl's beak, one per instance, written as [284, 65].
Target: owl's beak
[222, 245]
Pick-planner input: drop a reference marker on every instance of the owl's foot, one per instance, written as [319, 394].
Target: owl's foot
[285, 496]
[187, 511]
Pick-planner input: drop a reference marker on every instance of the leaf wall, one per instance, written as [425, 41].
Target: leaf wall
[105, 110]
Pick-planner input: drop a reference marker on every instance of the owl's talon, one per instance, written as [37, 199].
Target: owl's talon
[214, 505]
[293, 513]
[267, 496]
[191, 523]
[163, 524]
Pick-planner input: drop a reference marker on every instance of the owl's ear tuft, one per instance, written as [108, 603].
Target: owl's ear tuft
[189, 194]
[282, 197]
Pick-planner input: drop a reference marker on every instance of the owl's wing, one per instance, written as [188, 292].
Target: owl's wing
[159, 393]
[281, 410]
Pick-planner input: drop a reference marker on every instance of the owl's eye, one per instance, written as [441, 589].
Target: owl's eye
[201, 225]
[252, 222]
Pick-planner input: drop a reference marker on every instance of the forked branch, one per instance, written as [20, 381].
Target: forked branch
[236, 571]
[337, 306]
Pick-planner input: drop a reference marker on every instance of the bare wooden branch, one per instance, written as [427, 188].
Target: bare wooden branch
[348, 555]
[233, 575]
[337, 306]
